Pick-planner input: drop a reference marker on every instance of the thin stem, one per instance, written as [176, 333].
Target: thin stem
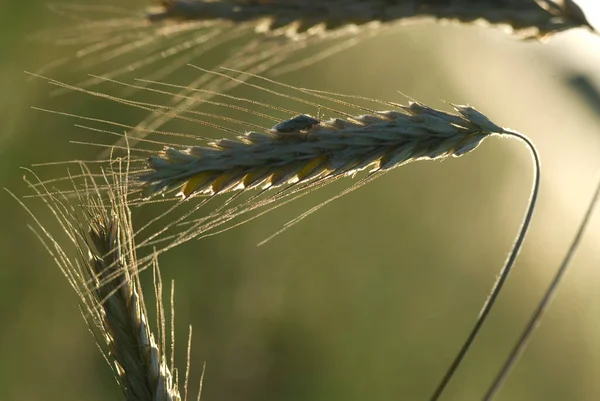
[544, 303]
[510, 261]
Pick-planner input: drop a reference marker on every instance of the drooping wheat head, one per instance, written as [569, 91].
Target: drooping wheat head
[275, 165]
[304, 148]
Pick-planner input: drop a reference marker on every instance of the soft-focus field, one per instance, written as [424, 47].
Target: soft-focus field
[370, 297]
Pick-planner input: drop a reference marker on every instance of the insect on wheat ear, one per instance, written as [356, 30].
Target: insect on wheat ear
[301, 122]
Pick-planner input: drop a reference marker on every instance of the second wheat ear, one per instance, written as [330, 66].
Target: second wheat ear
[103, 272]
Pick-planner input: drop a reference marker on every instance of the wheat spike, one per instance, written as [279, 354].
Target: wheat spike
[105, 278]
[187, 29]
[304, 148]
[297, 155]
[142, 371]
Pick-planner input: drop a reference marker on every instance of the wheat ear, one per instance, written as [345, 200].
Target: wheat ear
[304, 148]
[296, 155]
[106, 281]
[142, 371]
[523, 16]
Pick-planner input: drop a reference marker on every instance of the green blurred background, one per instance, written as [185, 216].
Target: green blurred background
[370, 297]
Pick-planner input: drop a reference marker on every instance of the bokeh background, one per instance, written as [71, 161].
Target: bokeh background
[370, 297]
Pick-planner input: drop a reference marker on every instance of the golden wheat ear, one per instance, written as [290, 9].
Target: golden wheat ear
[98, 259]
[303, 148]
[264, 168]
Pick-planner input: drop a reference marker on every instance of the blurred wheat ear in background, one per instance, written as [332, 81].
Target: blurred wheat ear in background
[264, 37]
[544, 16]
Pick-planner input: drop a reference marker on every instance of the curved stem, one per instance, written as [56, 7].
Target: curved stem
[544, 303]
[510, 261]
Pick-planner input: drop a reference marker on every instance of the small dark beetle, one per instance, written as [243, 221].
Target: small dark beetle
[299, 123]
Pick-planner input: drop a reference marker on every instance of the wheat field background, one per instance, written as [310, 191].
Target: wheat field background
[370, 297]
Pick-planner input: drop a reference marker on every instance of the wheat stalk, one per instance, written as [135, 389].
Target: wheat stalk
[536, 317]
[105, 278]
